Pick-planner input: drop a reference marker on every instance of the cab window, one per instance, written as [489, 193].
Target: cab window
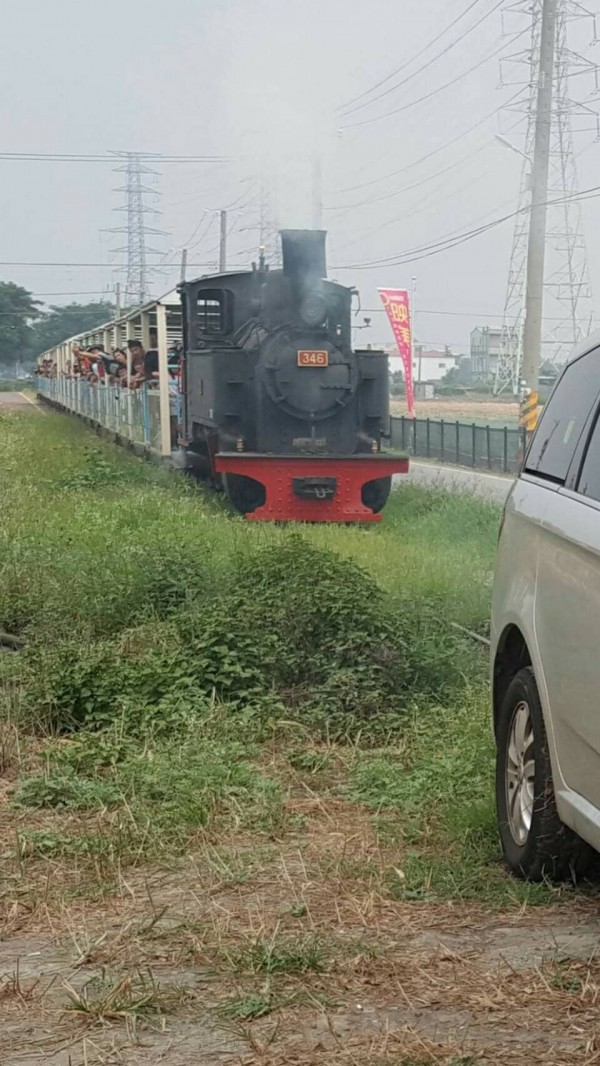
[213, 311]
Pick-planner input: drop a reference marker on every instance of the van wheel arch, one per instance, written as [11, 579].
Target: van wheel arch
[512, 655]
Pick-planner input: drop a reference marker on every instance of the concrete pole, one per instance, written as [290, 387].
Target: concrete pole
[532, 331]
[184, 253]
[223, 243]
[163, 380]
[413, 319]
[317, 193]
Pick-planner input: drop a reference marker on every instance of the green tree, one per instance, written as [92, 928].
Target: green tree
[59, 323]
[397, 383]
[18, 310]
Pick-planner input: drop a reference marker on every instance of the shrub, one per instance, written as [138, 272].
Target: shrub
[295, 627]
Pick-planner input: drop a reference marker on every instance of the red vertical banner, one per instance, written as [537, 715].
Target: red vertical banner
[396, 304]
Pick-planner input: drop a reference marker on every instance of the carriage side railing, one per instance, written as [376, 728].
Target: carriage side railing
[133, 414]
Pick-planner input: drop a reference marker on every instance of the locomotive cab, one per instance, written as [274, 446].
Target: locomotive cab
[278, 404]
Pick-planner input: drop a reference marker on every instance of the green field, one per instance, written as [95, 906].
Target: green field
[150, 612]
[243, 706]
[12, 385]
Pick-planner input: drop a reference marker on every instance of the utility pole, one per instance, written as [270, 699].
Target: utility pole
[317, 193]
[118, 300]
[184, 253]
[536, 247]
[568, 311]
[413, 319]
[223, 243]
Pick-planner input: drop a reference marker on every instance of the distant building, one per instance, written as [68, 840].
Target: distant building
[486, 345]
[432, 365]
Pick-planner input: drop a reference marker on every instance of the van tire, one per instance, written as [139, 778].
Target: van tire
[547, 849]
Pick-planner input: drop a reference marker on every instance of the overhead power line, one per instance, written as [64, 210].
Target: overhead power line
[411, 255]
[430, 62]
[364, 310]
[430, 201]
[440, 88]
[85, 292]
[452, 240]
[66, 157]
[435, 151]
[409, 188]
[107, 266]
[452, 314]
[412, 60]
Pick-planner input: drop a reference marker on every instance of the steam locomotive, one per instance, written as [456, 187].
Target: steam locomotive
[278, 408]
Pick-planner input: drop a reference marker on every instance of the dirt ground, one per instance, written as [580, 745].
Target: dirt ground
[17, 401]
[289, 954]
[455, 408]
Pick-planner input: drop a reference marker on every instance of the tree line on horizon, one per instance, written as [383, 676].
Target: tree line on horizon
[28, 327]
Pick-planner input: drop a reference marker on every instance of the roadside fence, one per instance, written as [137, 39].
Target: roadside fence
[461, 443]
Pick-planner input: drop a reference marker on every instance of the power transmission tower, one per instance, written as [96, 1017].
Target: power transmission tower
[138, 271]
[548, 257]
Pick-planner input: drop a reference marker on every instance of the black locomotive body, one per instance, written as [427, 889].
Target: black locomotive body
[277, 403]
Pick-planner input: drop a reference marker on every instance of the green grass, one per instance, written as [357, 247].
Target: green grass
[245, 1007]
[120, 537]
[131, 996]
[299, 955]
[433, 798]
[12, 385]
[166, 792]
[188, 669]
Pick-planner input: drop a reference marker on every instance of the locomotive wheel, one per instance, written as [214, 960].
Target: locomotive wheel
[244, 493]
[375, 493]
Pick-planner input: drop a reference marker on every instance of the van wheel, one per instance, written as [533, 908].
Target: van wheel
[536, 843]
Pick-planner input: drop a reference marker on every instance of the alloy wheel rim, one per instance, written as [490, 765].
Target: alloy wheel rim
[520, 773]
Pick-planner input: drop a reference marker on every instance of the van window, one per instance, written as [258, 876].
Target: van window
[589, 479]
[564, 417]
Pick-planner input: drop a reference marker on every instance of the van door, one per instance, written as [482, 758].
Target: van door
[567, 610]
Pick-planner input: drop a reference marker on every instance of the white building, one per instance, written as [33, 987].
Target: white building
[432, 365]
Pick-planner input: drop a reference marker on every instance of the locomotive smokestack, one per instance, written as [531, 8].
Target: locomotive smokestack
[303, 252]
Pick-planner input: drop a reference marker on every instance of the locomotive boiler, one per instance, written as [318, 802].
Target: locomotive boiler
[278, 407]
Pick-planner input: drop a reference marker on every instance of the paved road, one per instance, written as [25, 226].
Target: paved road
[494, 487]
[16, 400]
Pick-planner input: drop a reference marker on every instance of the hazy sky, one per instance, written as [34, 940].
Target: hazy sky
[262, 82]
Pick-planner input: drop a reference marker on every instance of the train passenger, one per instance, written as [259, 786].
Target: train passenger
[98, 368]
[151, 363]
[114, 363]
[139, 370]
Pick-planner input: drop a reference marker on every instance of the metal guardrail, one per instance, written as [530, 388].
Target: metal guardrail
[461, 443]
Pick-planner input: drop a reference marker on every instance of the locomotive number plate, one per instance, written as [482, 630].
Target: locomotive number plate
[312, 358]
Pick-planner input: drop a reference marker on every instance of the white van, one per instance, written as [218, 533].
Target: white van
[545, 640]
